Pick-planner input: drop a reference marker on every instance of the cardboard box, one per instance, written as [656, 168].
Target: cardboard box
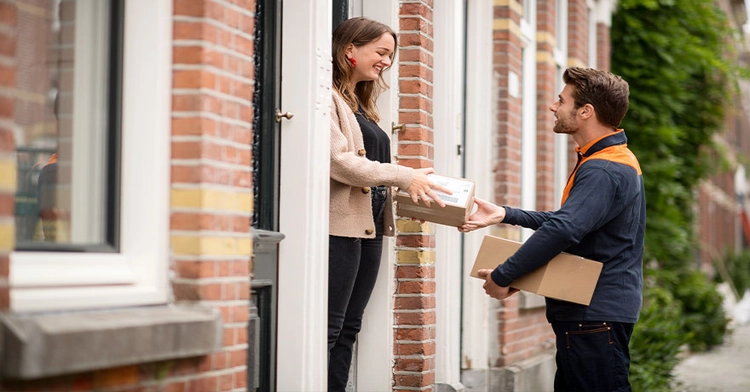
[566, 277]
[458, 205]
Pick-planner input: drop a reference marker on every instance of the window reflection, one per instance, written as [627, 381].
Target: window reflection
[60, 118]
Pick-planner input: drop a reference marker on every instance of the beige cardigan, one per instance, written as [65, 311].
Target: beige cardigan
[351, 176]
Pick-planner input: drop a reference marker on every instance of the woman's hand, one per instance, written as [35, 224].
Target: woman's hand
[486, 214]
[422, 188]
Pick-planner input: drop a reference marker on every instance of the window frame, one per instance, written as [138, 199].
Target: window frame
[137, 274]
[87, 35]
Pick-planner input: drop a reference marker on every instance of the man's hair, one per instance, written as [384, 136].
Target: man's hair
[606, 92]
[358, 32]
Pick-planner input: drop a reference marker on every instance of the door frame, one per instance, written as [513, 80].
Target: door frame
[477, 324]
[448, 102]
[304, 192]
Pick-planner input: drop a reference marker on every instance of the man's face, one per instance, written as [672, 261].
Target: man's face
[566, 121]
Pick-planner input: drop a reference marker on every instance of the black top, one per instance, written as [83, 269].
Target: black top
[377, 143]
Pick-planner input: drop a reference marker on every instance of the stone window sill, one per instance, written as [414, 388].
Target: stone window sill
[50, 344]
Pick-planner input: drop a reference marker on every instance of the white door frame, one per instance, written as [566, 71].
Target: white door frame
[478, 328]
[302, 358]
[448, 103]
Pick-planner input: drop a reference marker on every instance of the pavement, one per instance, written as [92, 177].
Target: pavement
[725, 368]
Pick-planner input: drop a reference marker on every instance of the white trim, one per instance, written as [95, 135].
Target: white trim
[448, 105]
[593, 34]
[604, 10]
[529, 119]
[561, 169]
[304, 197]
[477, 337]
[374, 366]
[561, 32]
[89, 117]
[141, 266]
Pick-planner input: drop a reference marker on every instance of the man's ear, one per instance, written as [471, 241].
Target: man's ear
[587, 111]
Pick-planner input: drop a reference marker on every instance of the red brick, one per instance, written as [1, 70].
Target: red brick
[190, 7]
[404, 303]
[415, 318]
[414, 334]
[427, 348]
[415, 272]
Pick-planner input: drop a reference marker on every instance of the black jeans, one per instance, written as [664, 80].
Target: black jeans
[592, 356]
[353, 265]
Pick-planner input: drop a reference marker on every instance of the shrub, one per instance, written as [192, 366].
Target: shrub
[702, 310]
[656, 340]
[737, 266]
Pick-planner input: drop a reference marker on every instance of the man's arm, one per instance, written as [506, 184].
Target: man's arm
[585, 210]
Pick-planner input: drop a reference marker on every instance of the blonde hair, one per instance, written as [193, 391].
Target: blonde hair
[358, 32]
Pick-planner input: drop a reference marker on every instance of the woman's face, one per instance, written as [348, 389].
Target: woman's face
[371, 58]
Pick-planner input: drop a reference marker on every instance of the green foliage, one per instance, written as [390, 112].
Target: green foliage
[673, 55]
[656, 340]
[738, 268]
[679, 308]
[701, 304]
[681, 75]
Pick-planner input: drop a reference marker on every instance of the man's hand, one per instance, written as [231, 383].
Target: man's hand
[492, 289]
[486, 214]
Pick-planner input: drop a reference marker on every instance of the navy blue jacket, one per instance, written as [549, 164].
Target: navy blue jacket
[603, 218]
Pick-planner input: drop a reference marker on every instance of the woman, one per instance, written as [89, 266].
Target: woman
[361, 179]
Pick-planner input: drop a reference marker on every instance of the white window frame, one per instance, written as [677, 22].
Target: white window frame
[137, 275]
[528, 111]
[560, 58]
[592, 45]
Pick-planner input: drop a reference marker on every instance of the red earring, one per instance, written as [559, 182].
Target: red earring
[353, 61]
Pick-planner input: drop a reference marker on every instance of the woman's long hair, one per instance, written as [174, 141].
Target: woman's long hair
[358, 31]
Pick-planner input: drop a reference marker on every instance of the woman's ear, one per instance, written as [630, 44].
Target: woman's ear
[349, 50]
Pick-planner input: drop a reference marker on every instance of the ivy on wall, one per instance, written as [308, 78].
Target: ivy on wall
[677, 57]
[674, 56]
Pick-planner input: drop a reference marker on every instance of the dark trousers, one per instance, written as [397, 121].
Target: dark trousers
[353, 265]
[592, 356]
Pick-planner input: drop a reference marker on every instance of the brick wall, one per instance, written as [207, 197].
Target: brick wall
[521, 332]
[211, 201]
[212, 111]
[414, 333]
[578, 33]
[603, 47]
[7, 144]
[507, 54]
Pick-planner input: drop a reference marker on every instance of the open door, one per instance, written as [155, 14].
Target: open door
[265, 221]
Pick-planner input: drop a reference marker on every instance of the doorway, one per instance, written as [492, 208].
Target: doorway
[266, 142]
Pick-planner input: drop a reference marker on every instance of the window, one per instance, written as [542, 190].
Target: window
[92, 232]
[68, 126]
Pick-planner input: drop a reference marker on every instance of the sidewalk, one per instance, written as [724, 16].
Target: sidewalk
[723, 369]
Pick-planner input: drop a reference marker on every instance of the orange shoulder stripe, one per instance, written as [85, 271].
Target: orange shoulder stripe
[619, 154]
